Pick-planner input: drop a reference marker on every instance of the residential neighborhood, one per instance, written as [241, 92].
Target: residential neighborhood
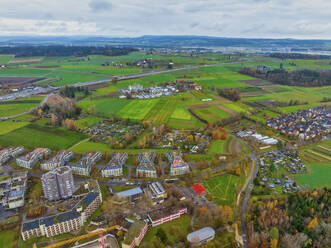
[306, 124]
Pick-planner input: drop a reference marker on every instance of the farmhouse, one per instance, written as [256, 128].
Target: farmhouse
[177, 166]
[61, 158]
[146, 166]
[85, 165]
[29, 160]
[115, 165]
[10, 152]
[63, 222]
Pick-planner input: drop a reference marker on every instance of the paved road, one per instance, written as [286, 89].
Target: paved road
[248, 192]
[27, 112]
[151, 73]
[246, 198]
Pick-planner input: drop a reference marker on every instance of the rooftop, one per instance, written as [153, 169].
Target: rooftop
[130, 192]
[201, 234]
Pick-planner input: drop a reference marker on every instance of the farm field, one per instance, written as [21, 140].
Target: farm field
[9, 125]
[320, 152]
[34, 135]
[4, 58]
[290, 109]
[137, 109]
[87, 146]
[104, 91]
[162, 110]
[87, 121]
[211, 114]
[7, 237]
[318, 176]
[105, 107]
[300, 94]
[237, 106]
[223, 188]
[217, 147]
[15, 108]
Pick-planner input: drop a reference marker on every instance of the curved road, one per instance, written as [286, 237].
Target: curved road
[248, 193]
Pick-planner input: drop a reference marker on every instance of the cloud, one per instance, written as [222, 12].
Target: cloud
[100, 5]
[224, 18]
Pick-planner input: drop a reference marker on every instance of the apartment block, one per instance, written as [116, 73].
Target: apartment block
[29, 160]
[85, 165]
[58, 184]
[115, 165]
[10, 152]
[64, 222]
[61, 158]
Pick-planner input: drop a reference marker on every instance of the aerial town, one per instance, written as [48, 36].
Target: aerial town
[164, 142]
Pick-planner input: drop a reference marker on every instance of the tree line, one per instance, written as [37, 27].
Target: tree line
[78, 51]
[305, 78]
[298, 220]
[298, 56]
[68, 91]
[231, 94]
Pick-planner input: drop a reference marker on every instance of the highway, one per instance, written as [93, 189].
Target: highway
[119, 78]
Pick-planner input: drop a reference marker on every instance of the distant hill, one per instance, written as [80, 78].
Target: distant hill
[167, 42]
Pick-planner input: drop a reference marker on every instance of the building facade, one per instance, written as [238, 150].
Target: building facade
[135, 234]
[61, 158]
[10, 152]
[12, 190]
[64, 222]
[115, 165]
[58, 184]
[161, 216]
[29, 160]
[146, 166]
[177, 165]
[85, 165]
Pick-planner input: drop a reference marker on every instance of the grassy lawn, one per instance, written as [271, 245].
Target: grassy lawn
[223, 188]
[185, 124]
[87, 121]
[106, 107]
[217, 147]
[296, 108]
[237, 106]
[5, 58]
[181, 113]
[137, 109]
[104, 91]
[7, 238]
[8, 126]
[182, 225]
[211, 114]
[162, 110]
[34, 135]
[318, 176]
[15, 108]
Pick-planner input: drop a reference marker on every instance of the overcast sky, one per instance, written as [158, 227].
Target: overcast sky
[224, 18]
